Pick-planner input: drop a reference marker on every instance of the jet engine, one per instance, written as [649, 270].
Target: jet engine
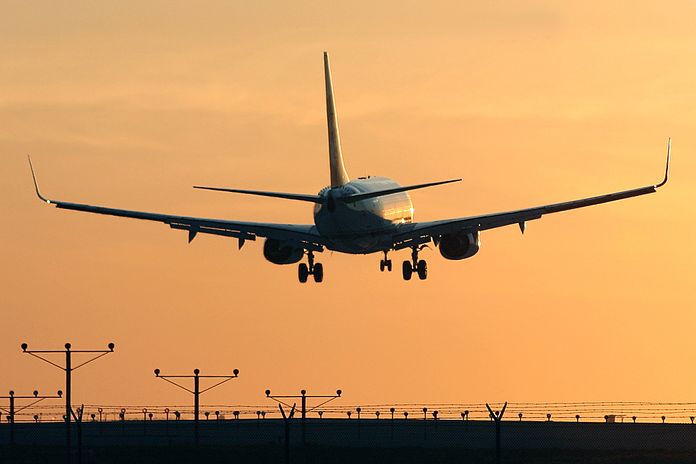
[459, 246]
[280, 252]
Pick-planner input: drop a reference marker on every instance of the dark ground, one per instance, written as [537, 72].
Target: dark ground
[352, 441]
[263, 454]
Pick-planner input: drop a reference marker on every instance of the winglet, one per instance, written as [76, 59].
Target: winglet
[36, 184]
[669, 154]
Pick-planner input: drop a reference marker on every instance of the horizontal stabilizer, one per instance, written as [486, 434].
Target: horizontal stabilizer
[287, 196]
[381, 193]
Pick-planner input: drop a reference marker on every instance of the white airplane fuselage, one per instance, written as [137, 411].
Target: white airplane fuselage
[364, 226]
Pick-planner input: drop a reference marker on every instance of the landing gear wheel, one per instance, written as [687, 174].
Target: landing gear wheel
[303, 272]
[422, 270]
[385, 263]
[407, 270]
[318, 273]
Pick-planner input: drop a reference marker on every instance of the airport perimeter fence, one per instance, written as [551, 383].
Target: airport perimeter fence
[612, 412]
[390, 429]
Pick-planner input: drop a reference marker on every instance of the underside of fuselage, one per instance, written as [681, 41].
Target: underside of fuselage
[364, 226]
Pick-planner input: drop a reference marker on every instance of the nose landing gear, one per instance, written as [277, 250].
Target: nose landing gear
[385, 263]
[415, 265]
[311, 268]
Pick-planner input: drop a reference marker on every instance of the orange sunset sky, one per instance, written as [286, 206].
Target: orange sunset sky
[129, 104]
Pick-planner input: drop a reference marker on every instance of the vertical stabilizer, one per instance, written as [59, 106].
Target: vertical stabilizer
[338, 171]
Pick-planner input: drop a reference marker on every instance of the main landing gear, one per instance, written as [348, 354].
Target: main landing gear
[385, 263]
[315, 269]
[415, 265]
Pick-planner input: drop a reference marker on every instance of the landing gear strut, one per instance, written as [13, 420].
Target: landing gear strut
[415, 265]
[311, 268]
[385, 263]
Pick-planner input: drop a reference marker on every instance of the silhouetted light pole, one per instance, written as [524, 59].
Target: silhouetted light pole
[68, 368]
[12, 411]
[303, 396]
[196, 390]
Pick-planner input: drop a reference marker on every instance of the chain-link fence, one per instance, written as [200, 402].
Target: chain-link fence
[528, 432]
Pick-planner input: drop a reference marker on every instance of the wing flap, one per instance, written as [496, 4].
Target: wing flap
[305, 234]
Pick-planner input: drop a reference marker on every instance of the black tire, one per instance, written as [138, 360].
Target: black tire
[381, 266]
[422, 269]
[389, 267]
[318, 273]
[303, 272]
[407, 270]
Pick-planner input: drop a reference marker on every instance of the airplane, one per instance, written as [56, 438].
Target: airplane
[356, 216]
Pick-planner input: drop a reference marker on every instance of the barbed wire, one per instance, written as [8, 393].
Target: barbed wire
[588, 411]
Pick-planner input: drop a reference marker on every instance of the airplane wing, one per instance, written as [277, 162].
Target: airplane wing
[305, 235]
[423, 232]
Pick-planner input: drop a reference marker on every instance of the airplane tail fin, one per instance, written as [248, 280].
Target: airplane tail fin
[338, 171]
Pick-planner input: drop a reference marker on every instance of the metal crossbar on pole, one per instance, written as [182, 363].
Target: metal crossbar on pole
[303, 397]
[197, 390]
[12, 411]
[68, 368]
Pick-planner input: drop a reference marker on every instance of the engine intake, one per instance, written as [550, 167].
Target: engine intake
[459, 246]
[280, 252]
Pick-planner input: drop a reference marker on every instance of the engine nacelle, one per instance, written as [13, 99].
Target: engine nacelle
[459, 246]
[280, 252]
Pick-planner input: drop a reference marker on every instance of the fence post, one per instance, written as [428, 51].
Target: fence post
[497, 418]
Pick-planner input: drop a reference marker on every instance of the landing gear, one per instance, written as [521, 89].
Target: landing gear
[318, 273]
[422, 269]
[305, 270]
[415, 265]
[385, 263]
[407, 270]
